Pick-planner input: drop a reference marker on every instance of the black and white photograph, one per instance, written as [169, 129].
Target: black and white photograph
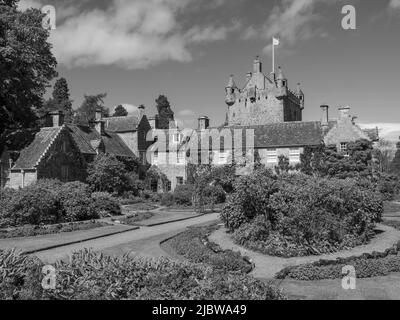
[204, 157]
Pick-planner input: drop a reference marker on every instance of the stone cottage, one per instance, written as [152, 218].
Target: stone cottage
[63, 151]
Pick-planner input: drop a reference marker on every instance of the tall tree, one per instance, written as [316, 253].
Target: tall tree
[395, 165]
[86, 113]
[27, 66]
[165, 113]
[120, 111]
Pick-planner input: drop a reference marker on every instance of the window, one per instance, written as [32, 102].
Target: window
[343, 148]
[294, 155]
[272, 156]
[64, 146]
[179, 181]
[169, 186]
[180, 158]
[177, 137]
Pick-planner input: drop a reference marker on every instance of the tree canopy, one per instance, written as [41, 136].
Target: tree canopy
[86, 113]
[27, 66]
[120, 111]
[165, 113]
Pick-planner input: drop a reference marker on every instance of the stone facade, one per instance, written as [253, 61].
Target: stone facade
[263, 99]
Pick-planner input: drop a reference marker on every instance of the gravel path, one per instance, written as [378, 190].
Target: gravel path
[268, 266]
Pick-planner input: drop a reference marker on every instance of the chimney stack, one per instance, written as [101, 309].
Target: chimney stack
[344, 113]
[249, 75]
[57, 118]
[257, 67]
[325, 115]
[99, 122]
[204, 123]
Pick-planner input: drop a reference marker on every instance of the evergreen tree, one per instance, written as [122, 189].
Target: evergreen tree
[165, 113]
[86, 114]
[62, 100]
[120, 111]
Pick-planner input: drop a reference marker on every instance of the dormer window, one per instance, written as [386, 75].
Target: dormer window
[343, 148]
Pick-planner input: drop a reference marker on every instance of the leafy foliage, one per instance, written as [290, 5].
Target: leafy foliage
[27, 65]
[165, 113]
[86, 113]
[120, 111]
[107, 174]
[301, 215]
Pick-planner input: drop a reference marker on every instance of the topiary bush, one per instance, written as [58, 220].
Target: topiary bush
[105, 204]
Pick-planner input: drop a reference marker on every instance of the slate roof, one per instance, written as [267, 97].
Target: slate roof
[31, 155]
[88, 138]
[279, 135]
[122, 124]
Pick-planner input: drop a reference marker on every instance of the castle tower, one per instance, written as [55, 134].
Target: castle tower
[263, 100]
[230, 96]
[300, 95]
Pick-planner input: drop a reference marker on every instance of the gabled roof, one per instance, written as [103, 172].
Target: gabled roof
[122, 124]
[31, 155]
[88, 138]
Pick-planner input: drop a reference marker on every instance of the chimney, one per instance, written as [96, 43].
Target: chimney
[248, 76]
[344, 113]
[99, 122]
[57, 118]
[204, 123]
[325, 115]
[142, 110]
[257, 66]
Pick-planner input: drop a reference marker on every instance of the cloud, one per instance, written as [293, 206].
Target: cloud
[186, 113]
[394, 4]
[290, 20]
[131, 34]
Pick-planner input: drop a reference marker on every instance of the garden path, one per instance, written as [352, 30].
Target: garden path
[267, 266]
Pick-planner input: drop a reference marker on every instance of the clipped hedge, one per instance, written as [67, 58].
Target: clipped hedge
[93, 276]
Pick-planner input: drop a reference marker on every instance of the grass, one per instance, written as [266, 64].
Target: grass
[392, 223]
[31, 231]
[193, 244]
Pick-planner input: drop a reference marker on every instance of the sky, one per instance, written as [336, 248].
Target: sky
[135, 50]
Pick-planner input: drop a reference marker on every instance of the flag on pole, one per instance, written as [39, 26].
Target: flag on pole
[275, 41]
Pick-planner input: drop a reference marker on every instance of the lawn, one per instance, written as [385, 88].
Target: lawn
[392, 208]
[133, 219]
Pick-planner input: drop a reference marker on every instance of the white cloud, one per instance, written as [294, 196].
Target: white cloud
[132, 34]
[394, 4]
[290, 20]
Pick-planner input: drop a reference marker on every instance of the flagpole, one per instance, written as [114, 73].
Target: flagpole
[273, 56]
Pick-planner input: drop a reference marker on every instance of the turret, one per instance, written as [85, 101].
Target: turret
[281, 79]
[300, 95]
[230, 97]
[257, 66]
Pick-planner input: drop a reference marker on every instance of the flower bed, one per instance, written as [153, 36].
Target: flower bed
[297, 215]
[134, 218]
[366, 266]
[31, 231]
[193, 244]
[91, 276]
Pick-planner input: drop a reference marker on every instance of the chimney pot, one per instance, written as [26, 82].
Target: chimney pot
[325, 115]
[204, 123]
[57, 118]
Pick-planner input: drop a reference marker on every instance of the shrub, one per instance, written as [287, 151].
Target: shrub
[108, 174]
[105, 204]
[20, 276]
[167, 199]
[77, 203]
[215, 194]
[31, 205]
[193, 244]
[304, 215]
[183, 195]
